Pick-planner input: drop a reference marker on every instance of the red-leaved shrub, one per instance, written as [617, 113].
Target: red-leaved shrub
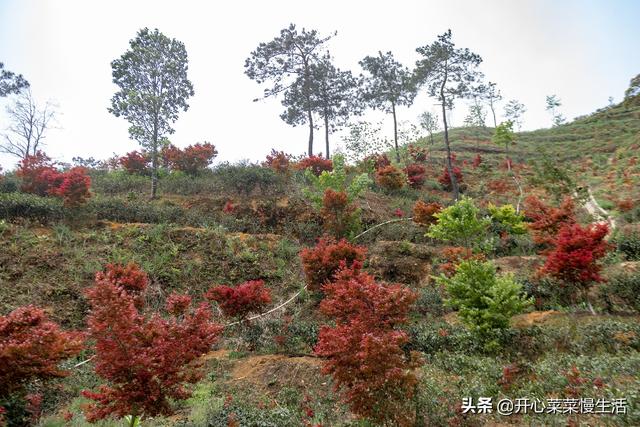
[134, 162]
[363, 350]
[278, 161]
[321, 262]
[240, 301]
[453, 256]
[317, 164]
[423, 213]
[547, 220]
[477, 160]
[38, 174]
[575, 255]
[31, 348]
[337, 213]
[418, 154]
[415, 175]
[390, 177]
[192, 159]
[146, 360]
[445, 178]
[74, 187]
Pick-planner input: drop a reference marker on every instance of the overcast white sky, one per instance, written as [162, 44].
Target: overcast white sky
[582, 50]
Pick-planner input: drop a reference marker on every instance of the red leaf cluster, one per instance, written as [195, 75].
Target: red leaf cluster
[423, 213]
[477, 160]
[134, 163]
[418, 154]
[317, 164]
[240, 301]
[31, 347]
[364, 350]
[548, 220]
[190, 160]
[337, 212]
[625, 205]
[278, 161]
[445, 178]
[415, 175]
[146, 360]
[74, 187]
[576, 252]
[321, 262]
[453, 256]
[390, 177]
[39, 176]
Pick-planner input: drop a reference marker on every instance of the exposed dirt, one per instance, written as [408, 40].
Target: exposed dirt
[533, 318]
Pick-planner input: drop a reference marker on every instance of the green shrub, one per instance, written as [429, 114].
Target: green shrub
[245, 178]
[623, 289]
[9, 183]
[118, 182]
[485, 302]
[122, 210]
[629, 244]
[31, 207]
[461, 225]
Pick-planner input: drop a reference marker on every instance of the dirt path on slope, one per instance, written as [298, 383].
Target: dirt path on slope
[595, 210]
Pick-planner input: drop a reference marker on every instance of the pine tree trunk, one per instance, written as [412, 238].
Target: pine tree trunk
[326, 134]
[154, 163]
[452, 177]
[395, 131]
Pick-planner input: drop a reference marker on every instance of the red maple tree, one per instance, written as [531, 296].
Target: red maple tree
[146, 359]
[317, 164]
[363, 350]
[547, 220]
[321, 262]
[31, 348]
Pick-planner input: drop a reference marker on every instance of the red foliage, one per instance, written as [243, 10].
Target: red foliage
[477, 160]
[507, 163]
[229, 207]
[398, 213]
[192, 159]
[240, 301]
[390, 177]
[364, 350]
[625, 205]
[574, 258]
[547, 220]
[454, 255]
[577, 385]
[418, 154]
[278, 161]
[31, 347]
[321, 262]
[445, 178]
[38, 174]
[317, 164]
[509, 375]
[423, 213]
[415, 175]
[337, 212]
[499, 186]
[146, 360]
[74, 187]
[134, 162]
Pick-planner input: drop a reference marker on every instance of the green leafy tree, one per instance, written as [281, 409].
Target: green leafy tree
[485, 302]
[429, 122]
[506, 218]
[287, 62]
[504, 135]
[365, 139]
[10, 82]
[335, 180]
[632, 94]
[514, 111]
[449, 73]
[388, 85]
[553, 103]
[492, 95]
[153, 89]
[461, 224]
[556, 179]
